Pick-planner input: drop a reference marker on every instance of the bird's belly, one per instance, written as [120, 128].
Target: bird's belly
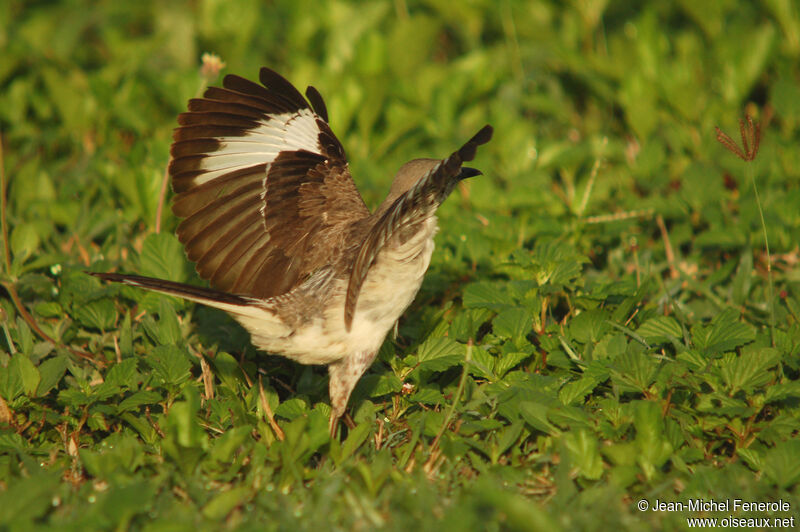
[389, 288]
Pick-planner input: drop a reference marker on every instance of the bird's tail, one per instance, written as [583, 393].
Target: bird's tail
[255, 315]
[232, 303]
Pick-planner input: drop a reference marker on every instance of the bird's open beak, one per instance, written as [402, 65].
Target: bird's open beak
[466, 172]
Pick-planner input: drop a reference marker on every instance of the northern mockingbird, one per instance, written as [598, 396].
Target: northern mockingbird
[275, 223]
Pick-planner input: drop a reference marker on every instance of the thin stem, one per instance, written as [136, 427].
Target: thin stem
[461, 383]
[3, 209]
[770, 283]
[162, 195]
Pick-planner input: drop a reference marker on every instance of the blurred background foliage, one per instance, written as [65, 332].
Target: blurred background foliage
[604, 170]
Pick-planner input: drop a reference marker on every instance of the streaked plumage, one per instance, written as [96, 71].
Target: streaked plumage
[275, 223]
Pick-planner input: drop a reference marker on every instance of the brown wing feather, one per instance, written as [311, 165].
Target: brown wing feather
[413, 206]
[262, 183]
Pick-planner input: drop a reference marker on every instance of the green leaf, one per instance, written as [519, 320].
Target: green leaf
[137, 399]
[354, 440]
[24, 242]
[652, 445]
[574, 392]
[228, 443]
[589, 326]
[24, 336]
[749, 369]
[378, 385]
[162, 257]
[29, 377]
[169, 332]
[724, 334]
[535, 415]
[438, 354]
[782, 464]
[185, 441]
[100, 314]
[292, 408]
[11, 379]
[507, 361]
[584, 453]
[222, 504]
[51, 372]
[31, 499]
[634, 371]
[482, 363]
[226, 368]
[506, 437]
[514, 323]
[660, 329]
[126, 337]
[123, 374]
[466, 323]
[170, 364]
[487, 294]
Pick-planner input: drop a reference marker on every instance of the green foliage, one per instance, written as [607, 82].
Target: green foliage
[607, 275]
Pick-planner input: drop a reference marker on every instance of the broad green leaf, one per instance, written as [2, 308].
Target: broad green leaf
[227, 444]
[99, 314]
[169, 332]
[222, 504]
[24, 336]
[439, 354]
[354, 440]
[749, 369]
[19, 509]
[482, 364]
[380, 384]
[467, 322]
[182, 419]
[226, 368]
[574, 392]
[123, 374]
[506, 437]
[584, 453]
[507, 361]
[488, 295]
[514, 323]
[29, 376]
[292, 408]
[782, 464]
[589, 326]
[51, 371]
[140, 398]
[535, 415]
[162, 257]
[24, 242]
[659, 329]
[725, 333]
[652, 444]
[634, 371]
[170, 364]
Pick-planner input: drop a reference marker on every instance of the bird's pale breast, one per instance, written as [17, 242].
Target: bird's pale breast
[389, 288]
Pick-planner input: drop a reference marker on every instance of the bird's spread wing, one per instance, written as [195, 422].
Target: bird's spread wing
[261, 182]
[409, 209]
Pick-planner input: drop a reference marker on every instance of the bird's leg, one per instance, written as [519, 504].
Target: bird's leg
[344, 375]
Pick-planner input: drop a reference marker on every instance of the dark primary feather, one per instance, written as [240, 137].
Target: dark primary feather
[406, 210]
[317, 102]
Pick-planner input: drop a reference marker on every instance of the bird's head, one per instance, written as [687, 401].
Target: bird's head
[411, 172]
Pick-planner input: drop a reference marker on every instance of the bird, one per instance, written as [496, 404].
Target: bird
[274, 222]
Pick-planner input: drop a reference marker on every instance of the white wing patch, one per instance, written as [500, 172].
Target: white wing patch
[275, 134]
